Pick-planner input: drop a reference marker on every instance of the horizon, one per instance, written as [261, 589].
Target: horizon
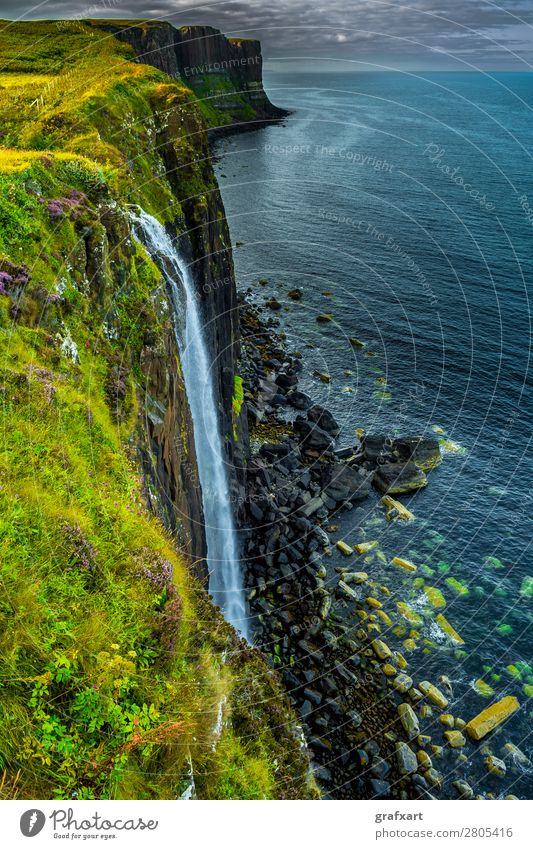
[421, 36]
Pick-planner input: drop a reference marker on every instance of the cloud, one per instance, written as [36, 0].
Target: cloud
[479, 33]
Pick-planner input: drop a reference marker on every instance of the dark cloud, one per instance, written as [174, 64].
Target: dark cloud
[421, 33]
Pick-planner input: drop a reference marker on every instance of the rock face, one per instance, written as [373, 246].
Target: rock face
[199, 54]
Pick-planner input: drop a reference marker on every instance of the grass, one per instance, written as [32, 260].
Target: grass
[113, 661]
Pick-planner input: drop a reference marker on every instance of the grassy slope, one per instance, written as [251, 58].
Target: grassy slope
[113, 662]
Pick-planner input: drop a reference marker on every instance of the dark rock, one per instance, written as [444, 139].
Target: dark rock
[312, 436]
[377, 448]
[255, 511]
[273, 450]
[423, 451]
[286, 380]
[346, 483]
[299, 400]
[396, 478]
[380, 768]
[379, 789]
[306, 709]
[312, 506]
[313, 695]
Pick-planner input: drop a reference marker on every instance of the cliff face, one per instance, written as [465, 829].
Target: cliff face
[115, 662]
[226, 74]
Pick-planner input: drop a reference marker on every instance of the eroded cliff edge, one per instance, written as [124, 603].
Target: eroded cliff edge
[123, 680]
[225, 74]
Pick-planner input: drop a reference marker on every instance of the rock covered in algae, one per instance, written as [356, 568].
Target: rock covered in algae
[454, 739]
[433, 694]
[395, 478]
[406, 759]
[396, 510]
[491, 717]
[381, 649]
[495, 766]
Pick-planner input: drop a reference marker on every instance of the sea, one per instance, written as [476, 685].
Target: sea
[401, 205]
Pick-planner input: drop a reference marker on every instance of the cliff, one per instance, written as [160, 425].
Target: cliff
[115, 665]
[225, 74]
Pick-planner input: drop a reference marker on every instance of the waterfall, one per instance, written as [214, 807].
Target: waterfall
[225, 581]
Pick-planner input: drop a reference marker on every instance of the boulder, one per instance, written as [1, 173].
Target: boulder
[495, 766]
[286, 380]
[406, 758]
[396, 478]
[346, 483]
[312, 436]
[298, 400]
[433, 694]
[381, 649]
[323, 418]
[396, 510]
[408, 719]
[454, 739]
[379, 789]
[404, 564]
[425, 452]
[463, 789]
[377, 447]
[402, 682]
[295, 294]
[312, 506]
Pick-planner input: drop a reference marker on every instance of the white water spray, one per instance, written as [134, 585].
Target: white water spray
[225, 581]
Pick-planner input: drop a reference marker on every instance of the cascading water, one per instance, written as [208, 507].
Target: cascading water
[225, 581]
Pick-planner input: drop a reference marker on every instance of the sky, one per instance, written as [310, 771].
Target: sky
[349, 34]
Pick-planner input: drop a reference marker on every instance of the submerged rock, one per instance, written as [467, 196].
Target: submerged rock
[406, 758]
[495, 766]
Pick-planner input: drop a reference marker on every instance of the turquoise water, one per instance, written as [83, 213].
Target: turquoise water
[407, 199]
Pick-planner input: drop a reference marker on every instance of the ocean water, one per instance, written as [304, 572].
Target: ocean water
[406, 199]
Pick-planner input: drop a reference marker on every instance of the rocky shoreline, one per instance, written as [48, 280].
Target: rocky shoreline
[340, 640]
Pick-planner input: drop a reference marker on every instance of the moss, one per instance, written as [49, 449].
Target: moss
[236, 402]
